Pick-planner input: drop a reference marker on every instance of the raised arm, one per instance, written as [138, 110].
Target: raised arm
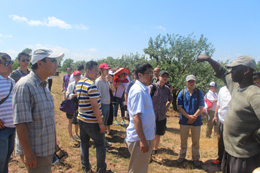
[214, 64]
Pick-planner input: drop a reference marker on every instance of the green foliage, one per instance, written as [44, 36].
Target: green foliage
[28, 51]
[258, 66]
[74, 65]
[67, 63]
[126, 61]
[177, 54]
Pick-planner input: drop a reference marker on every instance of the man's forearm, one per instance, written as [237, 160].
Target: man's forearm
[198, 112]
[23, 136]
[139, 127]
[183, 112]
[214, 64]
[96, 110]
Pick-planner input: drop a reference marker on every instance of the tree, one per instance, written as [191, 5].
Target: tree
[258, 66]
[67, 63]
[177, 55]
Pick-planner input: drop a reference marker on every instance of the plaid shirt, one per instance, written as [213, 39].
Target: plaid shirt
[33, 105]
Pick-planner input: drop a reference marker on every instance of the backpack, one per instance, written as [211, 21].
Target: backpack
[153, 90]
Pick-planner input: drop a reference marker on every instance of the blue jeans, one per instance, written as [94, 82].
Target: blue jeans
[105, 112]
[119, 101]
[6, 147]
[87, 131]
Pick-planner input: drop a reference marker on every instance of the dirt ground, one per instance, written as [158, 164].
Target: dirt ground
[117, 156]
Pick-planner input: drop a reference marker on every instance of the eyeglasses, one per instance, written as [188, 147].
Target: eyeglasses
[28, 60]
[151, 73]
[7, 63]
[165, 76]
[53, 60]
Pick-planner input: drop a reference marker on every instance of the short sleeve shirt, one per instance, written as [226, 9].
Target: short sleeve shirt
[33, 105]
[191, 104]
[160, 98]
[140, 101]
[86, 90]
[211, 96]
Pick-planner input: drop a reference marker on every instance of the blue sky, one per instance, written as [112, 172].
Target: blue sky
[87, 30]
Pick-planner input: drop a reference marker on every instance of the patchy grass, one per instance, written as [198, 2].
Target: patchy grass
[117, 157]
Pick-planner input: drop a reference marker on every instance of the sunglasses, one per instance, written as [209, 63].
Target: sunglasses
[7, 63]
[53, 60]
[24, 60]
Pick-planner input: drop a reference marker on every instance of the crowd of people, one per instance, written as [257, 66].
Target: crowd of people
[27, 108]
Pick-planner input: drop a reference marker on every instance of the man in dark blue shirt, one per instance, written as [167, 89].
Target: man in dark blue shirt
[190, 105]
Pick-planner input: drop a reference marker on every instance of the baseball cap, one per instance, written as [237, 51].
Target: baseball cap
[110, 72]
[243, 60]
[40, 54]
[212, 84]
[190, 77]
[163, 72]
[104, 66]
[76, 73]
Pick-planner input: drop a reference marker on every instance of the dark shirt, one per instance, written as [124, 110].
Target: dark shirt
[190, 105]
[160, 98]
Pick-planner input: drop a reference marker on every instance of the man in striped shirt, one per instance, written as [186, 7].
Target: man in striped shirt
[7, 128]
[90, 118]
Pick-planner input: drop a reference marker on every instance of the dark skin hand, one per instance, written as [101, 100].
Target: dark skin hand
[1, 124]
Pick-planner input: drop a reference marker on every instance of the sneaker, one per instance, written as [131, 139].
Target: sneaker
[197, 163]
[116, 122]
[76, 137]
[108, 144]
[180, 160]
[215, 162]
[123, 123]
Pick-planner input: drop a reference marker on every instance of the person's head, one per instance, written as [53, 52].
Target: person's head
[110, 76]
[68, 70]
[242, 69]
[190, 82]
[23, 59]
[6, 64]
[156, 72]
[45, 61]
[122, 75]
[80, 68]
[213, 86]
[163, 76]
[103, 69]
[144, 73]
[77, 76]
[256, 78]
[92, 69]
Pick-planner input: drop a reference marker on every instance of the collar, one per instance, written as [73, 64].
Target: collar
[141, 85]
[37, 80]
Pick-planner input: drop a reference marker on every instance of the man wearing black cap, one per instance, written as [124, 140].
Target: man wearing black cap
[161, 94]
[242, 122]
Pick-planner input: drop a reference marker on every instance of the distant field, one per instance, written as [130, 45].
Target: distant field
[117, 156]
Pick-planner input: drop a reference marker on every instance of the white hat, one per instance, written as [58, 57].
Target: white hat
[110, 72]
[190, 77]
[212, 84]
[40, 54]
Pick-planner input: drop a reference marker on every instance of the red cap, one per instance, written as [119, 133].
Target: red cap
[76, 73]
[104, 66]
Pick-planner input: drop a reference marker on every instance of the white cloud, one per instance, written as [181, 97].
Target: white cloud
[49, 22]
[92, 50]
[161, 27]
[6, 36]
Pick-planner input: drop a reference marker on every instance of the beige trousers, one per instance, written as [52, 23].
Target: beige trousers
[138, 161]
[209, 125]
[195, 137]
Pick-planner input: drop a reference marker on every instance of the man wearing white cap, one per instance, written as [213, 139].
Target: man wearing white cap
[242, 122]
[190, 105]
[33, 111]
[213, 98]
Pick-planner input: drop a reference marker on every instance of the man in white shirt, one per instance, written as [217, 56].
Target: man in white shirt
[224, 98]
[213, 98]
[141, 129]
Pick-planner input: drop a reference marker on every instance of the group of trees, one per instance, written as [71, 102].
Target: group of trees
[174, 53]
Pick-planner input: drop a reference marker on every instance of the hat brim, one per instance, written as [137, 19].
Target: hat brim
[56, 55]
